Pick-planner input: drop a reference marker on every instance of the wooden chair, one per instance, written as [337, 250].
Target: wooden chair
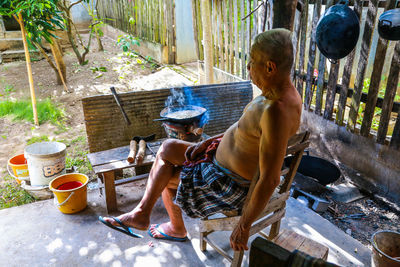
[271, 215]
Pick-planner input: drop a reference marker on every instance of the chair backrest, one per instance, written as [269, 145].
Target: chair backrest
[295, 148]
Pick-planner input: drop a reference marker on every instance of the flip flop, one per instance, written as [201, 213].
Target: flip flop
[122, 228]
[165, 236]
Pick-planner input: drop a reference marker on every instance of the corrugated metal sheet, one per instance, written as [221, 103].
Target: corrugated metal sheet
[106, 128]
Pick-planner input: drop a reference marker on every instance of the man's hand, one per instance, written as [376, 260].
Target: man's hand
[239, 238]
[196, 149]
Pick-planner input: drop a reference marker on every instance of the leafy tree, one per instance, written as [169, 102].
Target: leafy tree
[37, 19]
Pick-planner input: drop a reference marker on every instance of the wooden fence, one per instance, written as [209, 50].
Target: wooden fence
[150, 20]
[345, 92]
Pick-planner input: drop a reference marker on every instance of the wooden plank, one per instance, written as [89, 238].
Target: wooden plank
[311, 56]
[109, 188]
[395, 141]
[242, 40]
[296, 36]
[374, 86]
[214, 14]
[304, 18]
[320, 84]
[331, 90]
[362, 66]
[255, 19]
[382, 3]
[314, 249]
[235, 21]
[390, 94]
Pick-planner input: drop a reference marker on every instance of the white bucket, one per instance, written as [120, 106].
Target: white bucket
[46, 160]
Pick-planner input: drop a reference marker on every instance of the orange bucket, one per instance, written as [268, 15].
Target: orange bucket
[19, 167]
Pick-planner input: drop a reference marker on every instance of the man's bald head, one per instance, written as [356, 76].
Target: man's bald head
[274, 45]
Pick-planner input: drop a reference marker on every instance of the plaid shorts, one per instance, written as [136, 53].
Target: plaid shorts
[205, 190]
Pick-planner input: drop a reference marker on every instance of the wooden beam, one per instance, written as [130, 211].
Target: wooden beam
[284, 12]
[207, 39]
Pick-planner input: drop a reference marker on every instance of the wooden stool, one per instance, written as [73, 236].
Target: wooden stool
[291, 241]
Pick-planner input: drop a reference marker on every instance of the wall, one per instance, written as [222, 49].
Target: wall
[79, 15]
[185, 45]
[378, 166]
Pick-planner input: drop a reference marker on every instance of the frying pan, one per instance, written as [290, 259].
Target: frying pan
[169, 110]
[318, 168]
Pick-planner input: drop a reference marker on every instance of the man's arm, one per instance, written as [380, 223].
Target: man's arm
[194, 150]
[273, 144]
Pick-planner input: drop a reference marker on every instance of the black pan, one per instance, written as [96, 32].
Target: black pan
[169, 110]
[318, 168]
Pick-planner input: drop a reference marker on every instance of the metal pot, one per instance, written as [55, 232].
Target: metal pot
[389, 25]
[337, 31]
[318, 168]
[165, 114]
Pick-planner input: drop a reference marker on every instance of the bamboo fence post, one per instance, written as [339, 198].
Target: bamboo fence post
[362, 67]
[226, 51]
[235, 18]
[220, 26]
[331, 90]
[231, 34]
[28, 67]
[195, 31]
[242, 40]
[395, 141]
[207, 35]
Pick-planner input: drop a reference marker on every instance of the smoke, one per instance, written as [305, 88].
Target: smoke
[183, 97]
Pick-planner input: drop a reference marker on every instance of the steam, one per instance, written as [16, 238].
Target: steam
[183, 97]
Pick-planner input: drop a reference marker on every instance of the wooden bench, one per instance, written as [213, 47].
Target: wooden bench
[109, 135]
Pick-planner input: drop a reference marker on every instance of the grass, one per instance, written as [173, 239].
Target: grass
[22, 110]
[13, 195]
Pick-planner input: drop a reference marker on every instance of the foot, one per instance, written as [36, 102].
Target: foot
[134, 219]
[168, 229]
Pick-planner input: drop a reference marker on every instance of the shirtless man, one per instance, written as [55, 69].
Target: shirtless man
[256, 142]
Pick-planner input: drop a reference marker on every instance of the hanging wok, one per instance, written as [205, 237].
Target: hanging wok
[389, 24]
[182, 114]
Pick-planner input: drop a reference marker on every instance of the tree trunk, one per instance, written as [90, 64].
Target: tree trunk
[284, 11]
[48, 59]
[99, 44]
[29, 68]
[58, 58]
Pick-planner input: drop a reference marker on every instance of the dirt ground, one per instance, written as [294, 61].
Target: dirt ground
[129, 73]
[125, 73]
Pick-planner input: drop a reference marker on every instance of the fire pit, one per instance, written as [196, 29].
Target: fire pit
[183, 122]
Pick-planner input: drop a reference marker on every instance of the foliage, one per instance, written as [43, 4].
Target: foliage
[77, 155]
[41, 17]
[12, 195]
[22, 110]
[125, 42]
[37, 139]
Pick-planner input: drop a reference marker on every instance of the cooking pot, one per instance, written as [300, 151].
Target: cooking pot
[337, 31]
[389, 24]
[318, 168]
[166, 113]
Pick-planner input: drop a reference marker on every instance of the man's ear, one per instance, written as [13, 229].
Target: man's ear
[271, 67]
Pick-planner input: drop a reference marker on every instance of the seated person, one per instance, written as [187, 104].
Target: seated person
[214, 175]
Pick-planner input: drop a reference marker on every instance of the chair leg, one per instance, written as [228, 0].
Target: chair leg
[203, 243]
[237, 258]
[274, 230]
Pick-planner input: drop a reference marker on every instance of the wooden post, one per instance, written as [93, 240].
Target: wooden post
[29, 68]
[284, 12]
[208, 50]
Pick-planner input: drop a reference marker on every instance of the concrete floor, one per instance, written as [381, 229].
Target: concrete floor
[38, 234]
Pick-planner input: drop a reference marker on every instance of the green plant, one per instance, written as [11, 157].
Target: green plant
[22, 110]
[125, 42]
[9, 88]
[12, 195]
[37, 139]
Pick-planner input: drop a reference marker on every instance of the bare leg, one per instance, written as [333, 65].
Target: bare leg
[175, 227]
[171, 154]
